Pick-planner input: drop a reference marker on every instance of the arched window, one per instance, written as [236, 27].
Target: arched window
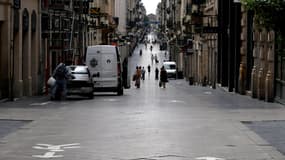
[34, 21]
[25, 20]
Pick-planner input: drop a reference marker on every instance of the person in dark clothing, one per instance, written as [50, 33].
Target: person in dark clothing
[143, 73]
[60, 74]
[163, 77]
[156, 73]
[148, 70]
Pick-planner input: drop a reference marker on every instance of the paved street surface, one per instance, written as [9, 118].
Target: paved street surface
[180, 122]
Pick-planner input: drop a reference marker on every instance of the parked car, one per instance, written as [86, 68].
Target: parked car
[104, 62]
[170, 68]
[81, 83]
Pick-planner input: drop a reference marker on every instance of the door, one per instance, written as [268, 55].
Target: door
[109, 75]
[93, 59]
[280, 69]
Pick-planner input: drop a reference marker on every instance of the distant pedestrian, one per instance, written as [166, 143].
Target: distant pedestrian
[163, 77]
[156, 59]
[143, 74]
[148, 70]
[156, 73]
[152, 58]
[138, 77]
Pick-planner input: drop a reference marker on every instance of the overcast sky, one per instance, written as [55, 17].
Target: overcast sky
[150, 5]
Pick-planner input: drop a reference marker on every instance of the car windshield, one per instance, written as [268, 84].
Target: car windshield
[171, 66]
[78, 70]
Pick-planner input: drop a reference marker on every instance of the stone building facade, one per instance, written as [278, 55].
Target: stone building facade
[20, 32]
[5, 43]
[257, 67]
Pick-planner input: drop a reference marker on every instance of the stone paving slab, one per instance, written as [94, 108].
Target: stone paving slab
[272, 131]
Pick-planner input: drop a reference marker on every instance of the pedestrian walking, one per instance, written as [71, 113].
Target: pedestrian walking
[163, 77]
[143, 74]
[138, 77]
[148, 70]
[156, 73]
[152, 58]
[156, 59]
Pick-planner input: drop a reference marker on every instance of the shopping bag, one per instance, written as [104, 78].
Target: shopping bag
[134, 77]
[51, 81]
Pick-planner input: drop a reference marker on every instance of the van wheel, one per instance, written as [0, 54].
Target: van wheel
[120, 91]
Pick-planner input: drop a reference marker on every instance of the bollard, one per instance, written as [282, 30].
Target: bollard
[260, 85]
[253, 82]
[191, 80]
[268, 88]
[242, 79]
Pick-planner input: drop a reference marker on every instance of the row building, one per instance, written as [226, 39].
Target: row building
[216, 42]
[36, 35]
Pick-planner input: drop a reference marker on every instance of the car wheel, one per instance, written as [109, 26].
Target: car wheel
[91, 95]
[120, 91]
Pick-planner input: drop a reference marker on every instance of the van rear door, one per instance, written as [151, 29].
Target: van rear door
[93, 60]
[109, 75]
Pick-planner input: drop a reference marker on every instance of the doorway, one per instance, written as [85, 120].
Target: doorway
[280, 69]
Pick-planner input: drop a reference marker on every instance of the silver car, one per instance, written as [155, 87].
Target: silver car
[81, 83]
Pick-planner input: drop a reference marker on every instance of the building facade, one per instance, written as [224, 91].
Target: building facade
[20, 30]
[257, 67]
[228, 50]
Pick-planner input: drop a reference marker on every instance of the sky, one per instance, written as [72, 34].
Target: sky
[150, 5]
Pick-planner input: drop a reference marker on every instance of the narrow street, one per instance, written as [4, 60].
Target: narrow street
[180, 122]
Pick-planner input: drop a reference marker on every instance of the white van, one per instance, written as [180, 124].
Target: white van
[104, 63]
[170, 67]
